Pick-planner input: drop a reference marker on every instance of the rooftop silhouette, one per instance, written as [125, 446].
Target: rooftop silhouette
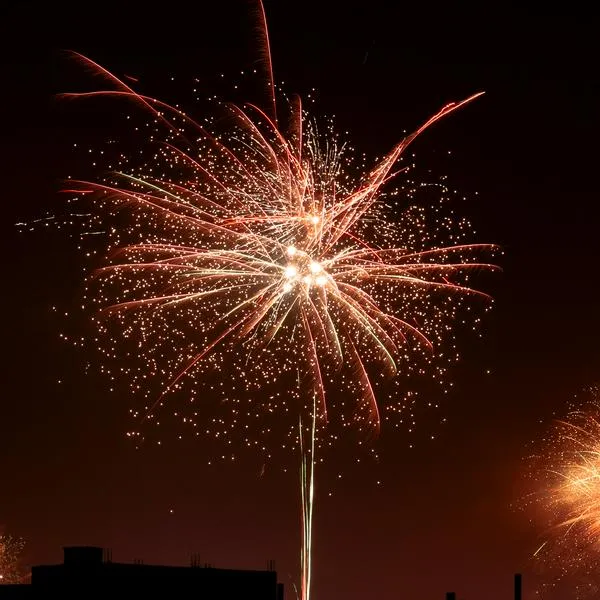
[88, 571]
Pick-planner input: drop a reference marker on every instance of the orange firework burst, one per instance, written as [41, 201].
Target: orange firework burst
[570, 495]
[574, 472]
[577, 490]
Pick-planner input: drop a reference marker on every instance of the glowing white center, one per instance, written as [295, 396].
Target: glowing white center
[314, 219]
[310, 273]
[291, 250]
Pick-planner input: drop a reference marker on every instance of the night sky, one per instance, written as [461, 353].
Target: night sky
[444, 517]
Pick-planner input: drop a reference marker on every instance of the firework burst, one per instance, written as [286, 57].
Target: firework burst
[262, 253]
[576, 492]
[569, 470]
[10, 555]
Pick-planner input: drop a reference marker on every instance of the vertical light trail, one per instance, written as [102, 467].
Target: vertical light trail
[307, 491]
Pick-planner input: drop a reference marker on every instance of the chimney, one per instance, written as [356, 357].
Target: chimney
[450, 595]
[518, 586]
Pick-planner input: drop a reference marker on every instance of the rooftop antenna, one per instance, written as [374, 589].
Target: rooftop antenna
[518, 586]
[195, 560]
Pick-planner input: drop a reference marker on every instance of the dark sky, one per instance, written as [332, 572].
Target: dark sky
[443, 518]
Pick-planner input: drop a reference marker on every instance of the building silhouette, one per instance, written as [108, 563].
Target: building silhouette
[518, 589]
[88, 572]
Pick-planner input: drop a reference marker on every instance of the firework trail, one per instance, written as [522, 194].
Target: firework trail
[307, 490]
[246, 247]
